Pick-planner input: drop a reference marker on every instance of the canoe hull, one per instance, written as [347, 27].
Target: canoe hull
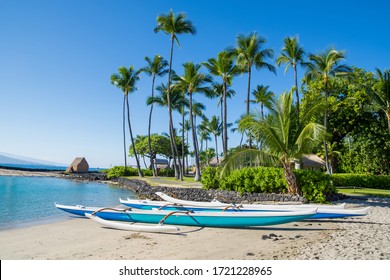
[202, 219]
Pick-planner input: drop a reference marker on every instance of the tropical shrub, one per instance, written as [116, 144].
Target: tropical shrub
[119, 171]
[167, 172]
[315, 186]
[362, 181]
[210, 177]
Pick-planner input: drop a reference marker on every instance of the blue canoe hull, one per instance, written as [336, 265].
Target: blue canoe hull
[193, 219]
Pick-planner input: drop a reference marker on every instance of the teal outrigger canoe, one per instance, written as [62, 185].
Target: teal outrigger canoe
[192, 218]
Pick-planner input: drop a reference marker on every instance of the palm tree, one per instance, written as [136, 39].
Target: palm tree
[380, 94]
[325, 66]
[177, 100]
[249, 53]
[204, 134]
[217, 88]
[214, 127]
[263, 97]
[191, 82]
[292, 54]
[173, 25]
[285, 140]
[126, 80]
[155, 67]
[224, 67]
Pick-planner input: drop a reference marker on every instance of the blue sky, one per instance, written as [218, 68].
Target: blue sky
[56, 59]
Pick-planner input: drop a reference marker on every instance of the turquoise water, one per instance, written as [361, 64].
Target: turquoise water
[30, 200]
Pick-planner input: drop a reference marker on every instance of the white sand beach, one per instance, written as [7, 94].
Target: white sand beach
[362, 238]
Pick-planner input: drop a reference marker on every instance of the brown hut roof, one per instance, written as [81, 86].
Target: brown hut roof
[79, 165]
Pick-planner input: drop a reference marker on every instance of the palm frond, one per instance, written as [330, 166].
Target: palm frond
[243, 157]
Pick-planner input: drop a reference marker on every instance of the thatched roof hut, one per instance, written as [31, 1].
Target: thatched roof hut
[312, 162]
[79, 165]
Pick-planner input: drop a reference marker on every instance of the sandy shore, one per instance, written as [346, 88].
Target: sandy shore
[15, 172]
[78, 239]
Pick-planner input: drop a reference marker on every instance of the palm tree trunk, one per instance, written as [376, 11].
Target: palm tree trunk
[124, 131]
[296, 89]
[178, 174]
[197, 163]
[388, 120]
[248, 103]
[216, 148]
[225, 148]
[182, 140]
[187, 154]
[328, 169]
[149, 128]
[132, 139]
[222, 119]
[291, 179]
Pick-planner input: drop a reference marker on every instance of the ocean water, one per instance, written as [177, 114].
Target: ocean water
[42, 167]
[30, 200]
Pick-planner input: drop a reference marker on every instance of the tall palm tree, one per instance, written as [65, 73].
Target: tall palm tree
[214, 126]
[191, 82]
[262, 96]
[285, 140]
[126, 80]
[292, 54]
[155, 67]
[380, 94]
[173, 25]
[249, 53]
[324, 67]
[224, 67]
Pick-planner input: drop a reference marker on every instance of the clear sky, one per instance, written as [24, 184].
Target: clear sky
[56, 59]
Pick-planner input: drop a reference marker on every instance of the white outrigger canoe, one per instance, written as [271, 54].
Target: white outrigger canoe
[170, 203]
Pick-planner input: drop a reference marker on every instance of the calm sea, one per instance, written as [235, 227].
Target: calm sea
[30, 200]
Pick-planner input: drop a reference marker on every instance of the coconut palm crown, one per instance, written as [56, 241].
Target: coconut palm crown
[126, 80]
[224, 67]
[292, 54]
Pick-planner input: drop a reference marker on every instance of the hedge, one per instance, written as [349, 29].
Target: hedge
[315, 186]
[362, 181]
[119, 171]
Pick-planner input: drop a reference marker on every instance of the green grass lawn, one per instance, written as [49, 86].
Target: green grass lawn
[364, 191]
[155, 181]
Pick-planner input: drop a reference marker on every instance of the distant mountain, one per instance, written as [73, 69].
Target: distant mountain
[8, 159]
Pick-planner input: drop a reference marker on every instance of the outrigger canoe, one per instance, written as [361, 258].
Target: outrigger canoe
[173, 204]
[191, 218]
